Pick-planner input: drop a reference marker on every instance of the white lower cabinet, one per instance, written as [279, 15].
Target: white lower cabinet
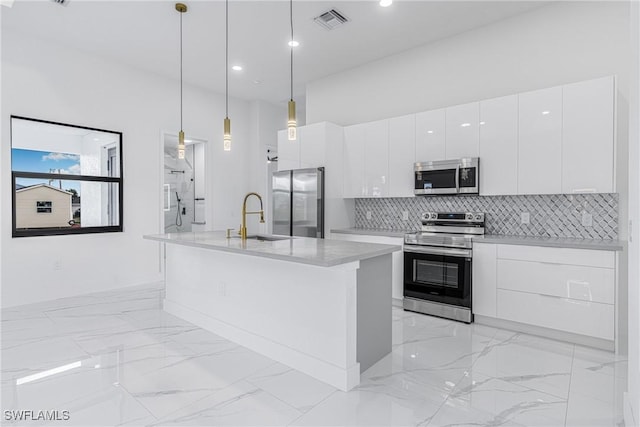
[397, 257]
[569, 290]
[569, 315]
[483, 287]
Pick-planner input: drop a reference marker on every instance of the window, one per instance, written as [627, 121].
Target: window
[44, 207]
[72, 174]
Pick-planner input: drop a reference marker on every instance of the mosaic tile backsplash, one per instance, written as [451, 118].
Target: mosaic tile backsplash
[555, 215]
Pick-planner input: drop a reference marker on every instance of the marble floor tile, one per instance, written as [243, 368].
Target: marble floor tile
[116, 358]
[240, 404]
[291, 386]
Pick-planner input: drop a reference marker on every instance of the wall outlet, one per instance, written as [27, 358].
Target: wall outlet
[587, 219]
[368, 214]
[525, 218]
[57, 265]
[405, 215]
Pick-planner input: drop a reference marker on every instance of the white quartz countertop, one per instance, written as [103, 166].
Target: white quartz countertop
[554, 242]
[304, 250]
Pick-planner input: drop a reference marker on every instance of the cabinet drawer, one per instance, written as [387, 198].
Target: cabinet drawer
[578, 317]
[586, 257]
[566, 281]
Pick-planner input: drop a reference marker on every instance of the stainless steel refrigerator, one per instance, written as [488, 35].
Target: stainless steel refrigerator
[298, 202]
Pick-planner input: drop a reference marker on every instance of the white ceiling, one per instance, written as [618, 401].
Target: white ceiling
[145, 34]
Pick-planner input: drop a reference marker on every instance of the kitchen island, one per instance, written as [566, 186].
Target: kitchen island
[320, 306]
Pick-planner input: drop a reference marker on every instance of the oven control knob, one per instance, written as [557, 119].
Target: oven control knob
[433, 215]
[478, 217]
[469, 216]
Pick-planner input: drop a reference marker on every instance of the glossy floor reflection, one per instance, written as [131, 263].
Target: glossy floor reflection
[116, 358]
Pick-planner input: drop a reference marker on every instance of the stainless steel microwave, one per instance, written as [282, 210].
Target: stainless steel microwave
[459, 176]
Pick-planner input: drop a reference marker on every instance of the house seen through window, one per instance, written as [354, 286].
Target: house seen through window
[70, 173]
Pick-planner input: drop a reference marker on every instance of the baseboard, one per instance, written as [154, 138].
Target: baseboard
[343, 379]
[396, 302]
[546, 332]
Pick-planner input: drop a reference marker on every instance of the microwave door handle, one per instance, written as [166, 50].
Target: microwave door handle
[457, 178]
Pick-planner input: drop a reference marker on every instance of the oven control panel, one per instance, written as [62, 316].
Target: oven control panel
[453, 217]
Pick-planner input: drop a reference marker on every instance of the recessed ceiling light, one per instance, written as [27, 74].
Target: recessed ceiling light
[257, 82]
[544, 113]
[236, 68]
[386, 3]
[293, 43]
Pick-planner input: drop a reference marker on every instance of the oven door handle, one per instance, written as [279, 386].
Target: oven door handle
[438, 251]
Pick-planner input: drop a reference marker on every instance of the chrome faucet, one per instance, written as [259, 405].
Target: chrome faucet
[243, 226]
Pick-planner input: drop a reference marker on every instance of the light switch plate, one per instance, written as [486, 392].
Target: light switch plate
[587, 219]
[525, 218]
[405, 215]
[368, 214]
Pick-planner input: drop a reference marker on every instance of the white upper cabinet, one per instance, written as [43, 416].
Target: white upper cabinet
[288, 152]
[499, 146]
[354, 161]
[376, 160]
[312, 141]
[540, 141]
[402, 138]
[430, 136]
[588, 136]
[462, 133]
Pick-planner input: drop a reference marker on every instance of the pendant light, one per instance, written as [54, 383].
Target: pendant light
[227, 122]
[182, 8]
[291, 123]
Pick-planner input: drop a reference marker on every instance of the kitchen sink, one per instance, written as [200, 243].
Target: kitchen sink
[265, 238]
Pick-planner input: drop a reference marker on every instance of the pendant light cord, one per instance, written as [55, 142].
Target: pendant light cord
[291, 42]
[226, 63]
[181, 71]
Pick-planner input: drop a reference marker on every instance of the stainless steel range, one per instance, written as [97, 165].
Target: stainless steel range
[437, 264]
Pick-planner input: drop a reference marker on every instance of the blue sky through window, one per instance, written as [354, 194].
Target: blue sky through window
[44, 161]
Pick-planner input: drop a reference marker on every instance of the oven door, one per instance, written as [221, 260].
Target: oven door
[438, 274]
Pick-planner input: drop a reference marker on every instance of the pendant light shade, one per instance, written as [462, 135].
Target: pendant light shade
[292, 131]
[182, 8]
[227, 122]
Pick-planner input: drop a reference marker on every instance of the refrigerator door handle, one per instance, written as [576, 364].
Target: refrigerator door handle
[320, 230]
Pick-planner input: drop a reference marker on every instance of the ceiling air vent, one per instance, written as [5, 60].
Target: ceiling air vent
[62, 2]
[331, 19]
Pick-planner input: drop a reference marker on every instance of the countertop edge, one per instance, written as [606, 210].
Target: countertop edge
[571, 243]
[384, 251]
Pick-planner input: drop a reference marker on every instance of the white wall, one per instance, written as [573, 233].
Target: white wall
[47, 81]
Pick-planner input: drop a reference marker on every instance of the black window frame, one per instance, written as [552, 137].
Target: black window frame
[54, 231]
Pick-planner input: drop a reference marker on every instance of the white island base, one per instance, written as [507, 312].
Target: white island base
[329, 322]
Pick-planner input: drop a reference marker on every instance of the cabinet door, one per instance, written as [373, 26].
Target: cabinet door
[402, 138]
[587, 136]
[499, 146]
[354, 161]
[312, 145]
[288, 152]
[540, 141]
[430, 136]
[462, 134]
[376, 160]
[483, 288]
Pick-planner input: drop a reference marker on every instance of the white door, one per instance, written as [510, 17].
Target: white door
[462, 133]
[499, 146]
[376, 160]
[430, 136]
[540, 141]
[587, 136]
[402, 137]
[354, 161]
